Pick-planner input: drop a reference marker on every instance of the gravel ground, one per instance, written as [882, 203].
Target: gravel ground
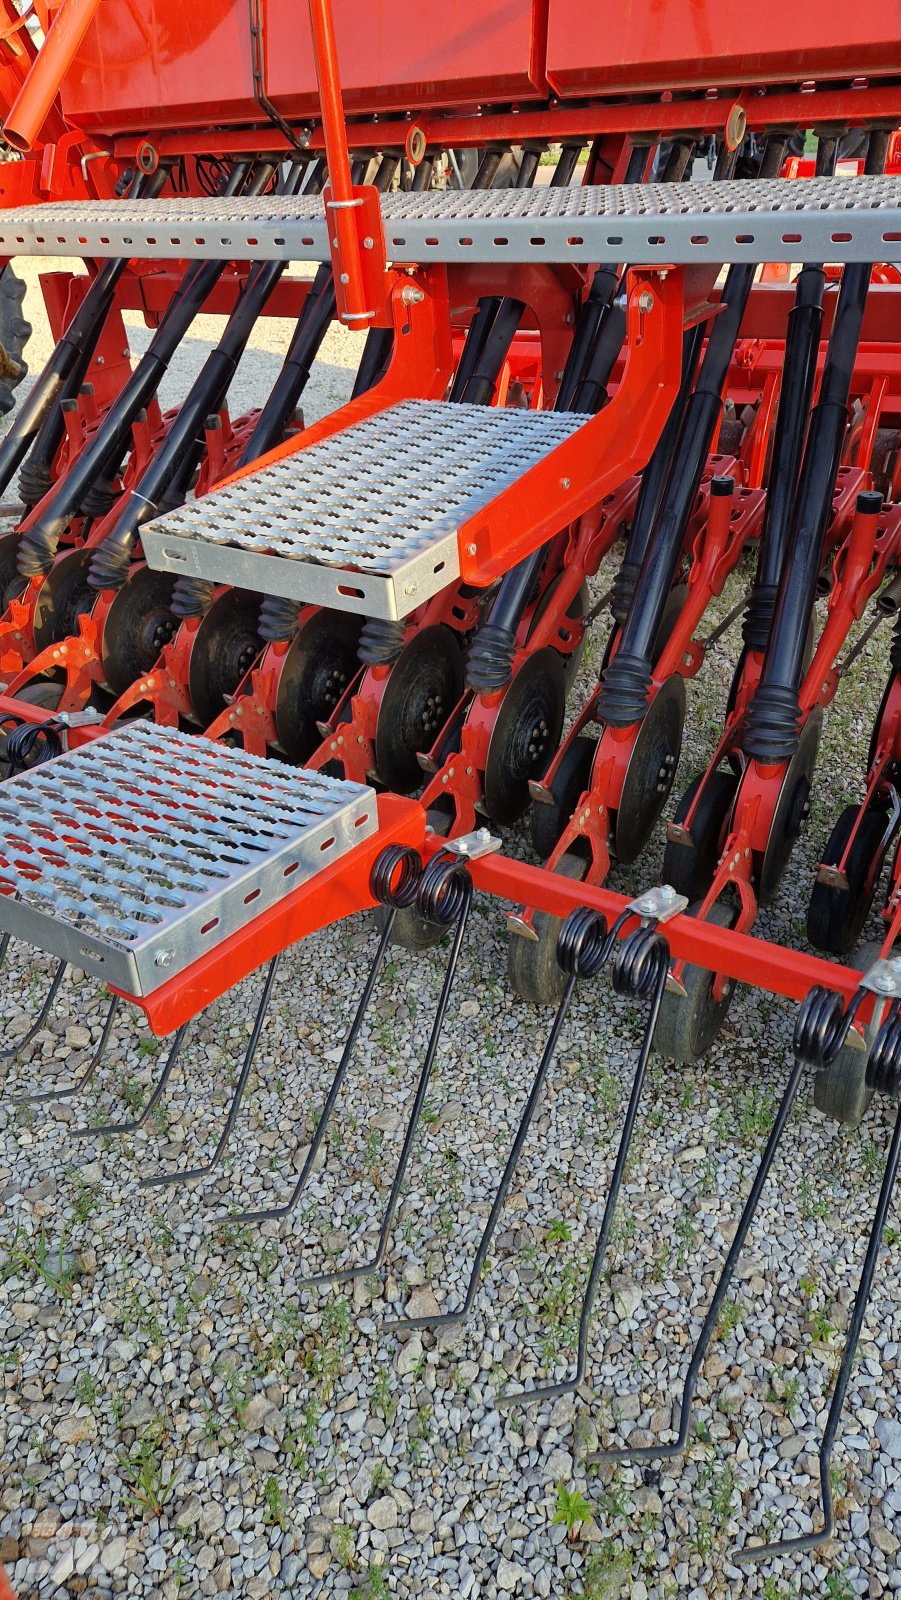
[181, 1419]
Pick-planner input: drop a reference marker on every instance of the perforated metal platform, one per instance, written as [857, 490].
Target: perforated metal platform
[812, 219]
[367, 521]
[135, 855]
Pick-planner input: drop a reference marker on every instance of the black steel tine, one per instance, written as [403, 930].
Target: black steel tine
[283, 1209]
[14, 1049]
[820, 1031]
[132, 1126]
[72, 1089]
[162, 1179]
[445, 1318]
[809, 1541]
[655, 1452]
[459, 875]
[658, 977]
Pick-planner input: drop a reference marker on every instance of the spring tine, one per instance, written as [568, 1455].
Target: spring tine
[658, 1452]
[549, 1391]
[132, 1126]
[809, 1541]
[13, 1049]
[460, 1315]
[365, 1268]
[162, 1179]
[80, 1083]
[283, 1209]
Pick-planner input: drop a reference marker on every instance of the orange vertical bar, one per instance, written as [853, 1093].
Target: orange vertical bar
[340, 199]
[55, 57]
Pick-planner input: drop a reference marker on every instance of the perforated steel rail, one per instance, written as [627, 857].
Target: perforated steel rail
[814, 219]
[140, 852]
[367, 521]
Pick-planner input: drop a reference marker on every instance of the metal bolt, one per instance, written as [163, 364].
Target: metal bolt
[885, 983]
[164, 959]
[368, 243]
[344, 278]
[645, 300]
[564, 483]
[410, 295]
[470, 549]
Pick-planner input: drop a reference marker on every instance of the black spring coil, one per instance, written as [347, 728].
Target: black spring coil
[895, 648]
[489, 659]
[821, 1026]
[381, 642]
[32, 743]
[884, 1065]
[582, 943]
[278, 619]
[396, 876]
[640, 962]
[444, 890]
[191, 597]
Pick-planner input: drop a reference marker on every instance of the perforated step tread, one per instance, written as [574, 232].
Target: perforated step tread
[136, 854]
[807, 219]
[366, 521]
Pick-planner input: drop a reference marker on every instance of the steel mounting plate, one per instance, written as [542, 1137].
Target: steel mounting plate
[367, 520]
[138, 853]
[788, 220]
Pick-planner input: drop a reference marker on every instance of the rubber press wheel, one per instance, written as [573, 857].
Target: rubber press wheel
[689, 1023]
[525, 734]
[690, 867]
[532, 963]
[835, 917]
[840, 1090]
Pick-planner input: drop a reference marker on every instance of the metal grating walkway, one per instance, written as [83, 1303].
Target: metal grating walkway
[366, 521]
[136, 854]
[794, 220]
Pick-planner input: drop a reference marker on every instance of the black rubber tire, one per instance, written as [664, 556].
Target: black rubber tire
[836, 917]
[570, 780]
[532, 963]
[15, 333]
[840, 1090]
[690, 867]
[687, 1025]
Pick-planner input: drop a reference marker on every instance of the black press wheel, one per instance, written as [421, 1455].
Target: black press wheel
[835, 916]
[689, 1023]
[568, 784]
[532, 963]
[15, 333]
[840, 1090]
[690, 867]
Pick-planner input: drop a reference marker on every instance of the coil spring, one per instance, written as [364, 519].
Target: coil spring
[386, 886]
[895, 647]
[191, 597]
[278, 618]
[32, 743]
[884, 1065]
[381, 642]
[821, 1026]
[582, 943]
[640, 963]
[445, 890]
[489, 659]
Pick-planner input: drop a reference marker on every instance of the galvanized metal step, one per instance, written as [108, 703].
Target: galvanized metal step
[142, 851]
[809, 219]
[366, 521]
